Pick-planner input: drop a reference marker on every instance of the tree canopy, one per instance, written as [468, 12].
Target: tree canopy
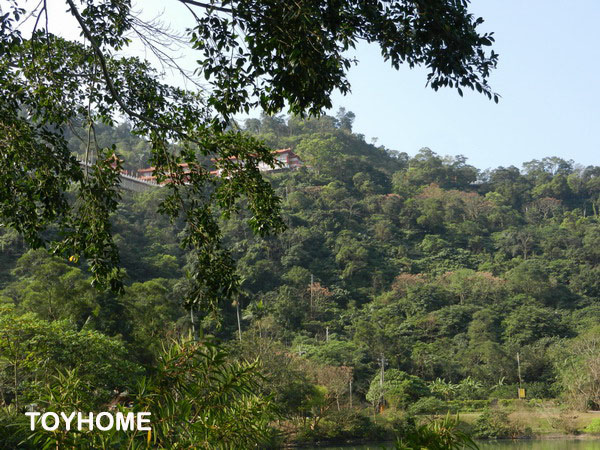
[272, 55]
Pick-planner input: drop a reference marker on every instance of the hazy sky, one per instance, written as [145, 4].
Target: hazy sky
[547, 77]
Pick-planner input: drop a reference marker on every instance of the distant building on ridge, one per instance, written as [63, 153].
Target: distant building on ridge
[285, 159]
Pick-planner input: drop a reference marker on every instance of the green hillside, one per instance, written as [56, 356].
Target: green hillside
[443, 271]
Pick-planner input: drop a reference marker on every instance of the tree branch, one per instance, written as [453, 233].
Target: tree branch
[106, 74]
[206, 5]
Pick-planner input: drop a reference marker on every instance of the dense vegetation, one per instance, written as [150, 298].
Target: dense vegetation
[63, 343]
[442, 272]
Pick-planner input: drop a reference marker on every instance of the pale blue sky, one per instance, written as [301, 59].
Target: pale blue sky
[547, 77]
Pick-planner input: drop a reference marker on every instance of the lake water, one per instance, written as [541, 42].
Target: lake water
[550, 444]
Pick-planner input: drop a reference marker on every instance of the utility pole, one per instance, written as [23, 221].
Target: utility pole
[521, 393]
[312, 281]
[381, 381]
[192, 320]
[350, 383]
[237, 307]
[519, 369]
[382, 374]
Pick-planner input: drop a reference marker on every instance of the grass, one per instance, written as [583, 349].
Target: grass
[543, 418]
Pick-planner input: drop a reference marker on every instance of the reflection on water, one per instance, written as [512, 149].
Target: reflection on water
[553, 444]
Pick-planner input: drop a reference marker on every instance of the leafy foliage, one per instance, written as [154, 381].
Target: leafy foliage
[448, 277]
[196, 399]
[250, 55]
[440, 434]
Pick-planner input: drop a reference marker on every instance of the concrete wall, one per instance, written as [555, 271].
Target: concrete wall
[135, 185]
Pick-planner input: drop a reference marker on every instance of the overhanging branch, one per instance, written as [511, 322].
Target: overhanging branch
[207, 6]
[106, 74]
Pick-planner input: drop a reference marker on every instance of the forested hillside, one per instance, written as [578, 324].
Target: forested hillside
[442, 271]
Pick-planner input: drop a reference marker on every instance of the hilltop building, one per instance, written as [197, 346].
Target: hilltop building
[148, 174]
[285, 159]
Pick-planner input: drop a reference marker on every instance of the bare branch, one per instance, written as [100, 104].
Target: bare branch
[30, 15]
[162, 41]
[207, 6]
[107, 77]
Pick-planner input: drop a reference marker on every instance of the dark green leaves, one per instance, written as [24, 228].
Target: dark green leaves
[275, 54]
[87, 231]
[268, 54]
[35, 171]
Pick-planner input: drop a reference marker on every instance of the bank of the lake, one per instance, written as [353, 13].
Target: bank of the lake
[530, 444]
[522, 424]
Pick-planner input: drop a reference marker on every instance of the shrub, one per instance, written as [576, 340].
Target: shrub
[341, 426]
[427, 405]
[12, 422]
[533, 390]
[494, 424]
[400, 389]
[402, 424]
[437, 435]
[456, 406]
[433, 405]
[470, 389]
[196, 395]
[567, 423]
[349, 424]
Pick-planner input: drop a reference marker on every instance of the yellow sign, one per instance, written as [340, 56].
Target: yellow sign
[521, 393]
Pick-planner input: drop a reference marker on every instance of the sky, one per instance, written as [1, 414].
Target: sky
[547, 78]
